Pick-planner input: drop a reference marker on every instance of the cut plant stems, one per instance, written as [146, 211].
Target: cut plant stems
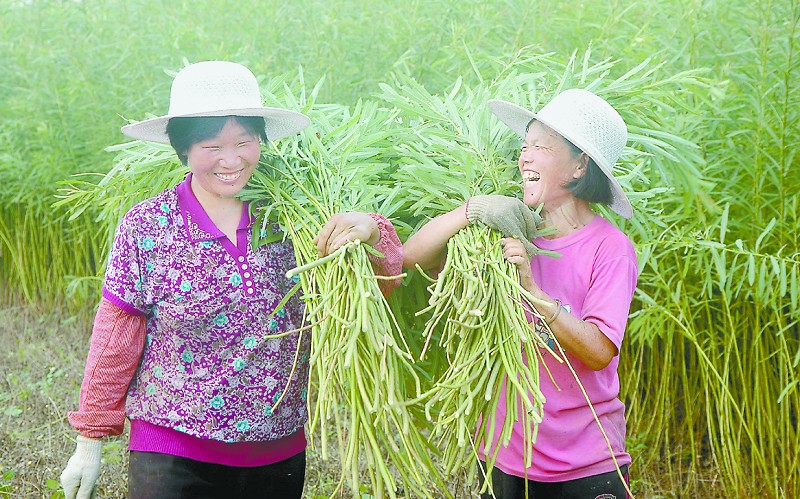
[359, 362]
[491, 348]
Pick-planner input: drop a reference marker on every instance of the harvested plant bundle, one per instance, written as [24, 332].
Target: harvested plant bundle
[360, 366]
[491, 348]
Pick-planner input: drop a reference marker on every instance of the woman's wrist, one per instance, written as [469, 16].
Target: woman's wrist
[556, 311]
[376, 234]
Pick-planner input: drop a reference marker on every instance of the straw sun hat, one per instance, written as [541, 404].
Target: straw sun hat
[584, 119]
[217, 88]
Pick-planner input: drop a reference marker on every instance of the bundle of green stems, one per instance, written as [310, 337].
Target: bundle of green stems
[480, 313]
[360, 365]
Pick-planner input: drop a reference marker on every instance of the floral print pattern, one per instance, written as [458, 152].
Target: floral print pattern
[208, 368]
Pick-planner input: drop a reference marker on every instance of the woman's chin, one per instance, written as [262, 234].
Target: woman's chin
[531, 199]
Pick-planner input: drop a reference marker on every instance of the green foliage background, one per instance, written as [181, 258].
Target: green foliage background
[711, 356]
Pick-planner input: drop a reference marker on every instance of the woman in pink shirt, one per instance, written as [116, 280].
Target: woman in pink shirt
[568, 154]
[185, 343]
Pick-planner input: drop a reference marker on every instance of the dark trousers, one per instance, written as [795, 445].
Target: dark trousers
[161, 476]
[605, 486]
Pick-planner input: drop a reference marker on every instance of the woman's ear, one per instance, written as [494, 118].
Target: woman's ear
[580, 168]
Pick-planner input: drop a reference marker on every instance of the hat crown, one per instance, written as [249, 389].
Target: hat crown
[589, 122]
[213, 86]
[217, 88]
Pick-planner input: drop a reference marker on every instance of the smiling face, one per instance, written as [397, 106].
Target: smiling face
[548, 163]
[222, 165]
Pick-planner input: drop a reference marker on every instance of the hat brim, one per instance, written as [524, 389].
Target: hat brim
[279, 123]
[517, 119]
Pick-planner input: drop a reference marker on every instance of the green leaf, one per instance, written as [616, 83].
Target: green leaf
[12, 411]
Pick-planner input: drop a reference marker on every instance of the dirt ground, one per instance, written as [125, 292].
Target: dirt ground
[42, 356]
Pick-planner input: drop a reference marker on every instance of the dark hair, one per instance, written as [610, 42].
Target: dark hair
[594, 186]
[184, 132]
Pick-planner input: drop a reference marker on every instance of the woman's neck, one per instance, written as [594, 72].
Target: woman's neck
[223, 211]
[567, 218]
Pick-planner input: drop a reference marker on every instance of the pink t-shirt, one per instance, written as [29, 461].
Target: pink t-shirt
[594, 278]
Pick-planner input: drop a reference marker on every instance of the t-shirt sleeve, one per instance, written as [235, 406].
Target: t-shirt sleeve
[612, 285]
[124, 278]
[114, 352]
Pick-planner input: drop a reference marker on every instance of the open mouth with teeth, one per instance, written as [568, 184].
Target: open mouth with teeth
[228, 177]
[530, 176]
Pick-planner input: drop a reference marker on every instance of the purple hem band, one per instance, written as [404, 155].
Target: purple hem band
[108, 295]
[147, 437]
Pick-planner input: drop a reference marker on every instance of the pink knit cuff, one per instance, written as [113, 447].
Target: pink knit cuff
[392, 249]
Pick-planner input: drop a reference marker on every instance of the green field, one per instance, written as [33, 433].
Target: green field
[711, 93]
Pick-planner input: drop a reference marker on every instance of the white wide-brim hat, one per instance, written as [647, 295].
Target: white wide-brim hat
[217, 88]
[588, 122]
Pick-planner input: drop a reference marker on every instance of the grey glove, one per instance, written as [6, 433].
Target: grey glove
[79, 478]
[508, 215]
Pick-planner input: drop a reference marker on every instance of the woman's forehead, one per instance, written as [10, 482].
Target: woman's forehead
[540, 131]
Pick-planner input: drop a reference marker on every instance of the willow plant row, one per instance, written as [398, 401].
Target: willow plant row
[424, 153]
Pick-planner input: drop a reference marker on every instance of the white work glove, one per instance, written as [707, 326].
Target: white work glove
[79, 478]
[508, 215]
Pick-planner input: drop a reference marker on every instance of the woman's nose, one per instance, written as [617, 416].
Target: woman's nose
[525, 154]
[230, 159]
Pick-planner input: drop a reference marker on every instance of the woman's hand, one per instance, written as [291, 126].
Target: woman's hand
[515, 252]
[506, 214]
[584, 339]
[79, 478]
[344, 227]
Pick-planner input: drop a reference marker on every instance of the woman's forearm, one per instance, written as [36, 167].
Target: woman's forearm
[427, 247]
[116, 346]
[582, 338]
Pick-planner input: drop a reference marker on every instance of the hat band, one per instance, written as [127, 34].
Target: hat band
[213, 107]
